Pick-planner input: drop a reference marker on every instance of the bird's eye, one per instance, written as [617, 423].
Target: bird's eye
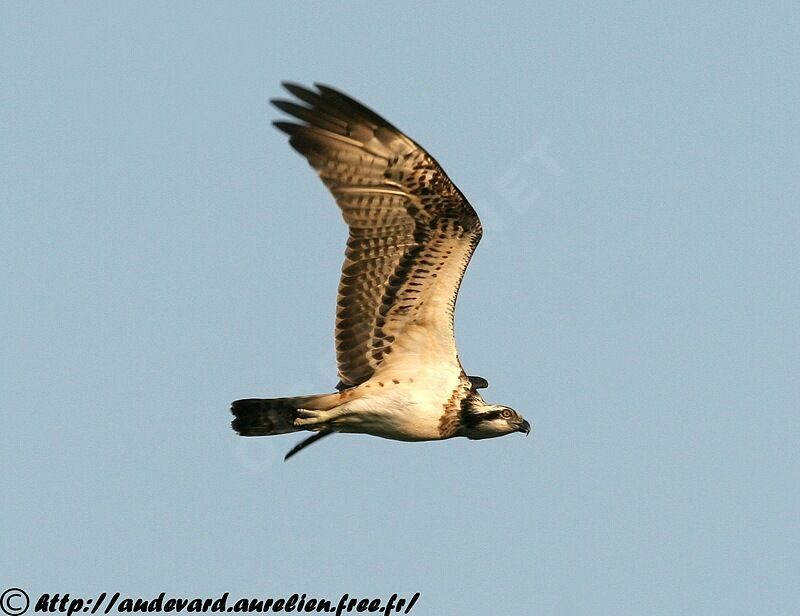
[506, 414]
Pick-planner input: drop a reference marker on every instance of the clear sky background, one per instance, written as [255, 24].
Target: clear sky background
[635, 297]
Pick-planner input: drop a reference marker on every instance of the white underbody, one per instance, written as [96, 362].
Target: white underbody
[410, 409]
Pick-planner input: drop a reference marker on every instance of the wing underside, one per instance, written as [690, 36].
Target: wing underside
[412, 232]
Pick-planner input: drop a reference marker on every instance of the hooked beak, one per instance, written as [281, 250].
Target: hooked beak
[524, 426]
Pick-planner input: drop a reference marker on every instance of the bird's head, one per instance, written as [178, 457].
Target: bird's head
[493, 420]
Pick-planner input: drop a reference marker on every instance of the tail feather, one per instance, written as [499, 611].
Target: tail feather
[268, 416]
[263, 417]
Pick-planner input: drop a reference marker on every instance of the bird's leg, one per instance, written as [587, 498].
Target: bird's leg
[316, 419]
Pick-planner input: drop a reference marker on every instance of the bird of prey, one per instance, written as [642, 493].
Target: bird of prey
[412, 233]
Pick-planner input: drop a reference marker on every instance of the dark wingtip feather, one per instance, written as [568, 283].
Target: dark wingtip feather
[322, 87]
[278, 102]
[287, 127]
[288, 106]
[292, 85]
[306, 442]
[348, 104]
[304, 94]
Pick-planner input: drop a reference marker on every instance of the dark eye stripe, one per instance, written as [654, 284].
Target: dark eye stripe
[495, 415]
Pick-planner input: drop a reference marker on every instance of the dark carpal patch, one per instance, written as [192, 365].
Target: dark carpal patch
[452, 411]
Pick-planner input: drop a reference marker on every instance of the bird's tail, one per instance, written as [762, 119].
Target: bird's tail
[268, 416]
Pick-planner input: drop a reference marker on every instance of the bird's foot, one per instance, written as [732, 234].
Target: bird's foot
[311, 419]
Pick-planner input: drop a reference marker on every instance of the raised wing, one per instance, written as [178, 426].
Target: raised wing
[412, 233]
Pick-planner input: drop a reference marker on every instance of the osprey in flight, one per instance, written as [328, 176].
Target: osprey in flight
[412, 234]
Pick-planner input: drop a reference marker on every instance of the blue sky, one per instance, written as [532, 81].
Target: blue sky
[635, 297]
